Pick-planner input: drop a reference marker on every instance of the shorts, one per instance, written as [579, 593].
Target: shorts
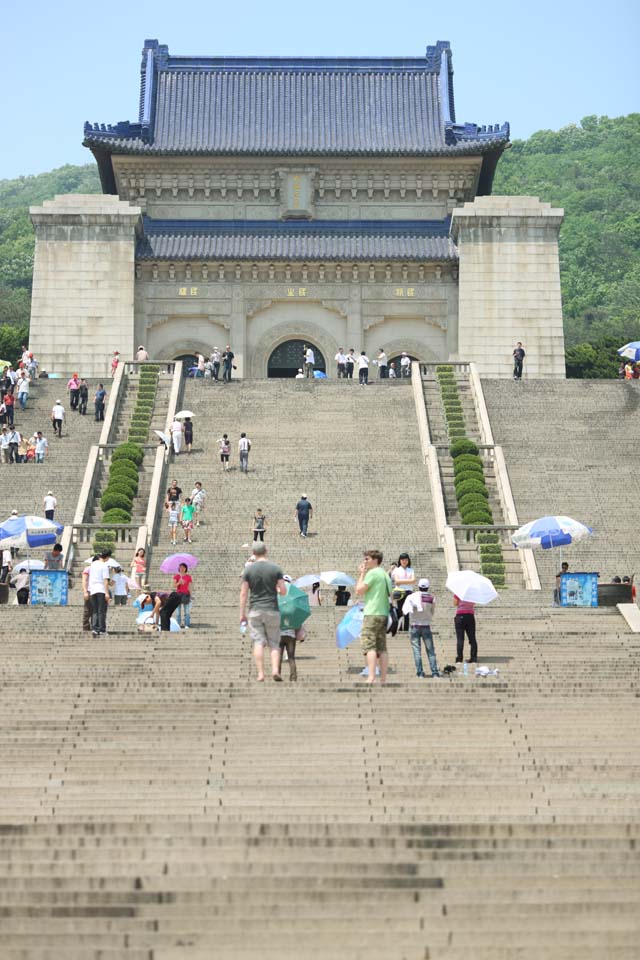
[224, 458]
[187, 524]
[120, 600]
[374, 634]
[264, 628]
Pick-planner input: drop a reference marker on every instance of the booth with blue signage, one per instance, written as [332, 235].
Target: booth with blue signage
[579, 589]
[50, 587]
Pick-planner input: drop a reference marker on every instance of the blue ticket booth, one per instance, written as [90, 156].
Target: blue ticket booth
[50, 587]
[579, 590]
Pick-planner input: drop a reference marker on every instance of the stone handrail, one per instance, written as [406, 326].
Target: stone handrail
[459, 366]
[446, 537]
[133, 367]
[482, 414]
[113, 406]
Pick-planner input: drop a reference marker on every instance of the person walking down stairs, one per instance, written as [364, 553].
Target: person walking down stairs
[224, 445]
[304, 512]
[262, 581]
[244, 446]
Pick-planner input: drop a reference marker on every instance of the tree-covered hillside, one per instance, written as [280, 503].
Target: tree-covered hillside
[592, 170]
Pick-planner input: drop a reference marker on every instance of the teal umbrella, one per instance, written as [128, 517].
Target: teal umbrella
[294, 608]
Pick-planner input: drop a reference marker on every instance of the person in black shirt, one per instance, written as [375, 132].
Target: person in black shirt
[518, 360]
[342, 596]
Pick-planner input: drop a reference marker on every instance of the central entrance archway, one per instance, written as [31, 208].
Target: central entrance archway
[288, 358]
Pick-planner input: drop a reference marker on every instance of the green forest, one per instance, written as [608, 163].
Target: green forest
[592, 170]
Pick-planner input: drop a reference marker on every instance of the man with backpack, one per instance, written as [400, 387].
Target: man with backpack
[244, 445]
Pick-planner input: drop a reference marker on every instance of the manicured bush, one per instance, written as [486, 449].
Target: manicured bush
[449, 390]
[490, 568]
[139, 422]
[122, 482]
[123, 467]
[116, 516]
[461, 447]
[454, 416]
[466, 461]
[144, 407]
[477, 519]
[115, 499]
[472, 503]
[471, 486]
[464, 475]
[136, 436]
[456, 432]
[498, 581]
[489, 551]
[487, 538]
[129, 451]
[451, 405]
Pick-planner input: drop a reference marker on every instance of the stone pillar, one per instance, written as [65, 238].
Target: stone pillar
[509, 285]
[83, 283]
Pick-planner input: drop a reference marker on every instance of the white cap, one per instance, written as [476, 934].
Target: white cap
[287, 578]
[49, 493]
[423, 584]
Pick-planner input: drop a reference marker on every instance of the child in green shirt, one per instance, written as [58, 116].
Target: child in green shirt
[186, 518]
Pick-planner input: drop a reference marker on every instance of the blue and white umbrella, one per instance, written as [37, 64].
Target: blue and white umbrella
[336, 578]
[548, 532]
[631, 350]
[29, 531]
[349, 627]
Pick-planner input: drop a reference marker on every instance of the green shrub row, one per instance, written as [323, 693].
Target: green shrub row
[487, 538]
[145, 401]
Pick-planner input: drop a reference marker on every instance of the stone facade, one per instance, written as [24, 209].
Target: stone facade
[509, 285]
[83, 282]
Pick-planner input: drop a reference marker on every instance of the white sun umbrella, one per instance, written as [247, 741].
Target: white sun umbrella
[307, 581]
[29, 564]
[183, 414]
[335, 578]
[471, 586]
[111, 562]
[166, 439]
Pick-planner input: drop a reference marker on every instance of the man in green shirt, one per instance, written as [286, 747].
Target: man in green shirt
[374, 584]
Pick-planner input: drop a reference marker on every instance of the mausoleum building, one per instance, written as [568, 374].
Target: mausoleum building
[267, 202]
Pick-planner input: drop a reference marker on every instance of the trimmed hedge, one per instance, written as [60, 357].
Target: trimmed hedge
[463, 446]
[487, 538]
[478, 519]
[472, 486]
[128, 451]
[491, 568]
[454, 417]
[466, 460]
[470, 507]
[126, 468]
[116, 515]
[469, 472]
[474, 500]
[489, 550]
[113, 499]
[122, 483]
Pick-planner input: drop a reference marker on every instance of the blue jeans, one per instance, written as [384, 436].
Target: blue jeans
[184, 614]
[418, 633]
[22, 397]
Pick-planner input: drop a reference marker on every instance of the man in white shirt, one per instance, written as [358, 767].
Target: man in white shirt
[57, 417]
[42, 446]
[382, 364]
[341, 360]
[4, 444]
[50, 504]
[363, 369]
[100, 593]
[244, 445]
[405, 365]
[215, 358]
[309, 362]
[299, 375]
[142, 356]
[22, 389]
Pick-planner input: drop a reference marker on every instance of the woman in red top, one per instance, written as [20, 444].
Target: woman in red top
[183, 582]
[465, 621]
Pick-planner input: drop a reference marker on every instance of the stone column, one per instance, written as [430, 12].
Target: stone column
[509, 285]
[83, 283]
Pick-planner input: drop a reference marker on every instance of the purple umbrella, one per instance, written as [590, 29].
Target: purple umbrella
[172, 563]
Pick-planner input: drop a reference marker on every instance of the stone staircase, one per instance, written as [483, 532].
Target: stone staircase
[158, 803]
[23, 486]
[467, 549]
[571, 449]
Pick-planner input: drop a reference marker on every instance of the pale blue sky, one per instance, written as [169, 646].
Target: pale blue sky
[538, 66]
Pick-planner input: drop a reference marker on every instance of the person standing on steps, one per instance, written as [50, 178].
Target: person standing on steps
[142, 356]
[299, 375]
[224, 445]
[304, 512]
[564, 568]
[177, 431]
[518, 360]
[259, 526]
[183, 585]
[382, 362]
[363, 369]
[57, 418]
[341, 361]
[188, 433]
[50, 504]
[83, 397]
[73, 389]
[288, 640]
[350, 364]
[86, 607]
[100, 593]
[374, 585]
[215, 364]
[186, 519]
[98, 402]
[464, 621]
[405, 365]
[42, 446]
[198, 497]
[419, 608]
[309, 362]
[404, 581]
[227, 364]
[262, 581]
[244, 445]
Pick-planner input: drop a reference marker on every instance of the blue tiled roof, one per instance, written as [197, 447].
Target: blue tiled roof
[296, 107]
[295, 241]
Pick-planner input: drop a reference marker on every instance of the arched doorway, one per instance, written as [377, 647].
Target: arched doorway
[189, 361]
[286, 359]
[396, 361]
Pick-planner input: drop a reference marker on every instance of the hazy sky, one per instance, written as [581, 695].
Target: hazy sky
[538, 66]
